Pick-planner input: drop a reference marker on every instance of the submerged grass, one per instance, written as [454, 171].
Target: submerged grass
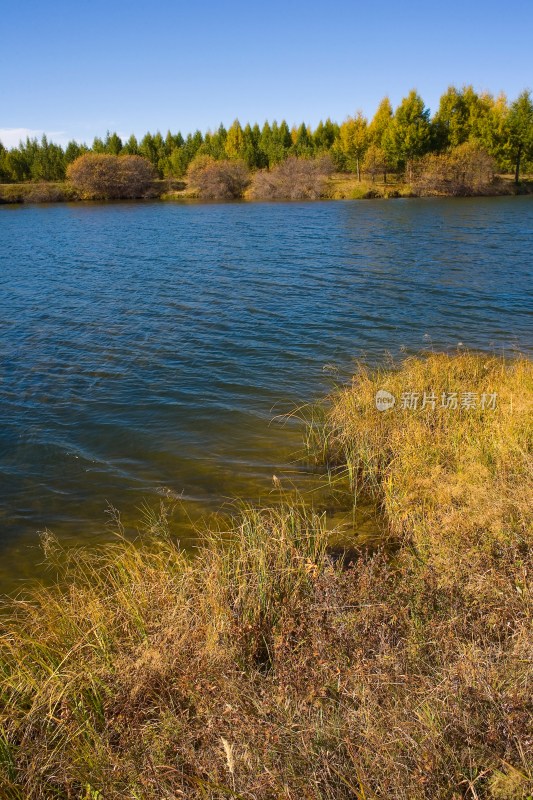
[262, 667]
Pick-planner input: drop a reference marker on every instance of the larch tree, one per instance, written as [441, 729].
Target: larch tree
[353, 142]
[375, 162]
[234, 145]
[381, 121]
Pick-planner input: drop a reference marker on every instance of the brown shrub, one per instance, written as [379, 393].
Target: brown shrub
[218, 180]
[99, 176]
[293, 179]
[465, 170]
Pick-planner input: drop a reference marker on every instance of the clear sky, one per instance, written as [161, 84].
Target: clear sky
[76, 69]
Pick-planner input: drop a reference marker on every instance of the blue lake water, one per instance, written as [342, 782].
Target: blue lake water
[145, 348]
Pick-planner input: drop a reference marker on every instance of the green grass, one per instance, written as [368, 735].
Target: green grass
[264, 668]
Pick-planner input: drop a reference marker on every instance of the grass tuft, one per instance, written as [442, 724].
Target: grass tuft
[262, 667]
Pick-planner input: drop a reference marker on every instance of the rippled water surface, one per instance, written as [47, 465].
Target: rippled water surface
[145, 348]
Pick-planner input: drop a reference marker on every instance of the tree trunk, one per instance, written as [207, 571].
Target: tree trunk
[517, 168]
[358, 173]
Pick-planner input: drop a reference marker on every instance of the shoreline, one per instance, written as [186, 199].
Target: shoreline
[253, 667]
[340, 187]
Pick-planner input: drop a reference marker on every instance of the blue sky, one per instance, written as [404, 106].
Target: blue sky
[77, 69]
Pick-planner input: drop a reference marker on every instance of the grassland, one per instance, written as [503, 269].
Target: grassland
[266, 668]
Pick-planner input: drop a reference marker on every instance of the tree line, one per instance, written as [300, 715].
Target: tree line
[390, 142]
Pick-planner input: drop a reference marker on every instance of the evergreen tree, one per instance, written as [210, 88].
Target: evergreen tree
[73, 151]
[5, 175]
[48, 162]
[493, 132]
[112, 144]
[265, 144]
[131, 148]
[460, 118]
[149, 148]
[277, 142]
[214, 144]
[450, 121]
[325, 135]
[303, 146]
[520, 122]
[409, 134]
[250, 151]
[98, 145]
[182, 156]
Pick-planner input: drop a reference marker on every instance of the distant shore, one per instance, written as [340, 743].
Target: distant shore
[340, 186]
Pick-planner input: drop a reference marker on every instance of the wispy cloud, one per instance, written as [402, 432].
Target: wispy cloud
[10, 137]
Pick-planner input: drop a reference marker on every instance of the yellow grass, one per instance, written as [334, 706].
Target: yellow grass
[263, 668]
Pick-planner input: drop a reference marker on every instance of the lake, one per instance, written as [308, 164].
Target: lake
[147, 347]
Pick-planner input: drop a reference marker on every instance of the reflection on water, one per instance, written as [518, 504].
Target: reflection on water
[145, 348]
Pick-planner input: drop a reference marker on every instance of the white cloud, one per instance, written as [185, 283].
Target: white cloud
[10, 137]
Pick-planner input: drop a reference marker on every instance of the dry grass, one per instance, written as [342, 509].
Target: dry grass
[345, 186]
[44, 192]
[262, 669]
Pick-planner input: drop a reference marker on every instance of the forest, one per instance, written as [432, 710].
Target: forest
[390, 142]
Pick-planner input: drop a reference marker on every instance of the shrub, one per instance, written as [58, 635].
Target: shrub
[465, 170]
[293, 179]
[218, 180]
[99, 176]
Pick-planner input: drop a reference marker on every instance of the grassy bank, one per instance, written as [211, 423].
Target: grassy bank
[340, 186]
[265, 668]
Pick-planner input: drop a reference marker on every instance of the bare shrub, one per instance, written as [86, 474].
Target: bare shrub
[293, 179]
[218, 180]
[465, 170]
[100, 176]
